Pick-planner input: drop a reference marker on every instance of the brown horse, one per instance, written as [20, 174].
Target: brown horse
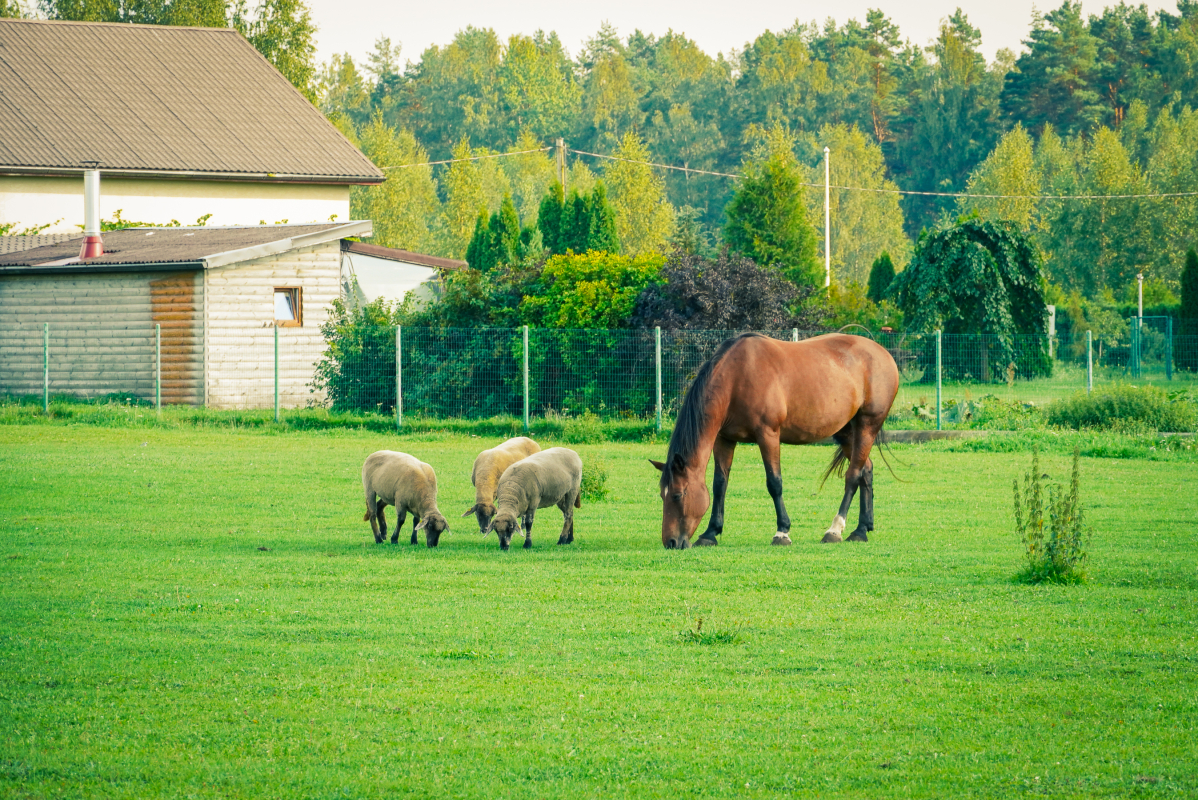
[757, 389]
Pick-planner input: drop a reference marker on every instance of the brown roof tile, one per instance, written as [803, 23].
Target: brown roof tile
[149, 99]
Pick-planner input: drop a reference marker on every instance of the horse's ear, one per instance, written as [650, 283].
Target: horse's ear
[471, 510]
[679, 463]
[660, 466]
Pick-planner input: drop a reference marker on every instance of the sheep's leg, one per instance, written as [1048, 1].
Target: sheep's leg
[382, 534]
[567, 507]
[528, 529]
[400, 515]
[372, 516]
[415, 522]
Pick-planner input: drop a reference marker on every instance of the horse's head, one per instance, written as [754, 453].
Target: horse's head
[433, 526]
[684, 501]
[483, 513]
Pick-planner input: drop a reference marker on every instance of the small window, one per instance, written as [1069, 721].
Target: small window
[289, 307]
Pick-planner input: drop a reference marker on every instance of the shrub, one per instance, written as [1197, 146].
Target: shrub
[1127, 408]
[1055, 547]
[594, 480]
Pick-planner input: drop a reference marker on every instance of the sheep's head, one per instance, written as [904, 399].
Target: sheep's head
[505, 524]
[433, 526]
[483, 513]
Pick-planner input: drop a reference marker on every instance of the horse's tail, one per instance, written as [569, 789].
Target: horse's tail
[841, 456]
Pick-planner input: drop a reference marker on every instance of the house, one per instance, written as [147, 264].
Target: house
[219, 295]
[181, 123]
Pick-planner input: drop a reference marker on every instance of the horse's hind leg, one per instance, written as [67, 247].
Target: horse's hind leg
[861, 442]
[771, 456]
[865, 521]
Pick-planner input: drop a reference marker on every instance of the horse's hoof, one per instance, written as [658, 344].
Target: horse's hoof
[830, 537]
[780, 539]
[858, 536]
[706, 541]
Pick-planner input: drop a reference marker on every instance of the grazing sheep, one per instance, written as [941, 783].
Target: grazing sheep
[407, 483]
[489, 465]
[551, 477]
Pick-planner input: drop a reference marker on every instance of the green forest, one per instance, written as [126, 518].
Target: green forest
[1092, 109]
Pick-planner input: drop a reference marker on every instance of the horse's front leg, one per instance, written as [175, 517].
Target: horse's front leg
[771, 456]
[724, 451]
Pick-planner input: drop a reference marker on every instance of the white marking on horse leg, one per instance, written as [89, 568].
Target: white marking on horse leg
[781, 538]
[837, 526]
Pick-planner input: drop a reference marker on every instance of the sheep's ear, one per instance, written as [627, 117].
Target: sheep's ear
[471, 510]
[661, 467]
[423, 522]
[489, 528]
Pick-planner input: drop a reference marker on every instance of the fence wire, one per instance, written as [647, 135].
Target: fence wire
[488, 372]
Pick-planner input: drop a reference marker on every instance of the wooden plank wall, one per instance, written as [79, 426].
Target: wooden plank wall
[101, 334]
[241, 326]
[177, 303]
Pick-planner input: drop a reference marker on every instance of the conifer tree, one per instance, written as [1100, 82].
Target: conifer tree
[505, 233]
[576, 226]
[1187, 357]
[880, 276]
[550, 218]
[601, 234]
[479, 254]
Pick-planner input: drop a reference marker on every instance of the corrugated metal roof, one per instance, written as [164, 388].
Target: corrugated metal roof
[156, 99]
[140, 247]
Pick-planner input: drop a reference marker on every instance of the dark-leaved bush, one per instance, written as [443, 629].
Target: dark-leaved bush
[1124, 407]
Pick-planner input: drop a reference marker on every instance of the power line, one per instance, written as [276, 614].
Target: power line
[471, 158]
[692, 171]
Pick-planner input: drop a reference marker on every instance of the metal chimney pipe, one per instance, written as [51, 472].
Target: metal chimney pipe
[93, 245]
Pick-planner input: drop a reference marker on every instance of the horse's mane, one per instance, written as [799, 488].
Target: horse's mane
[689, 425]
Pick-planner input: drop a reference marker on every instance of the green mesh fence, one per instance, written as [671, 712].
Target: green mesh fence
[483, 372]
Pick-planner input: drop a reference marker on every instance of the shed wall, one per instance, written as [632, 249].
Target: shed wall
[102, 334]
[241, 327]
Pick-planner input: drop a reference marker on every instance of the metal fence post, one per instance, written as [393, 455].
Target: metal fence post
[158, 369]
[1168, 348]
[1136, 334]
[526, 379]
[938, 377]
[657, 361]
[399, 377]
[46, 368]
[1089, 361]
[276, 373]
[794, 334]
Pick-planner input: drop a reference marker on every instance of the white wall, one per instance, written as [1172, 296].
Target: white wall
[59, 201]
[380, 277]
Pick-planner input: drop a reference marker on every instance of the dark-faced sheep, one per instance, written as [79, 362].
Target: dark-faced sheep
[551, 477]
[408, 484]
[489, 465]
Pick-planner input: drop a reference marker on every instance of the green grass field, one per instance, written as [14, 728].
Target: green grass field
[203, 613]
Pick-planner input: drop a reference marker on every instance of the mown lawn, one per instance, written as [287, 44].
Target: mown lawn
[150, 648]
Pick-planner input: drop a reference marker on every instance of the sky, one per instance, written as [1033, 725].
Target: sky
[352, 26]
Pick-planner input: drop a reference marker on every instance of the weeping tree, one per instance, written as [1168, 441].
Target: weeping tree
[980, 277]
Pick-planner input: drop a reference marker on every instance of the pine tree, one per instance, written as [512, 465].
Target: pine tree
[601, 234]
[505, 233]
[550, 218]
[479, 254]
[1187, 357]
[576, 227]
[880, 276]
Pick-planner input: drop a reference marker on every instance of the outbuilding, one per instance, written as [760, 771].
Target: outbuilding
[219, 296]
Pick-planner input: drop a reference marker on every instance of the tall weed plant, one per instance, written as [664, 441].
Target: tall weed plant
[1050, 524]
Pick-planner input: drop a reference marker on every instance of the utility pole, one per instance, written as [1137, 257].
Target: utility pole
[827, 221]
[561, 162]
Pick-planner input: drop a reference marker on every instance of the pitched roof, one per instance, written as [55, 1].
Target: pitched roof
[15, 244]
[157, 101]
[142, 249]
[402, 256]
